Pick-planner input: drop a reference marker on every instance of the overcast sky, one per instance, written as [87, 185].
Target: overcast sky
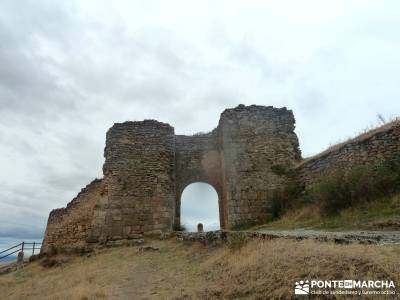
[70, 69]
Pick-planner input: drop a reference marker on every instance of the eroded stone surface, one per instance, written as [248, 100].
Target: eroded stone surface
[147, 167]
[69, 227]
[380, 144]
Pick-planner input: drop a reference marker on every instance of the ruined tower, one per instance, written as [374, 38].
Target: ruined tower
[147, 167]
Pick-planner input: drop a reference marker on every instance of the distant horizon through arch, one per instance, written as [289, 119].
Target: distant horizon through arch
[199, 204]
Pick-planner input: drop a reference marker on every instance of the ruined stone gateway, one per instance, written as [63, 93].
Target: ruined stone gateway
[147, 167]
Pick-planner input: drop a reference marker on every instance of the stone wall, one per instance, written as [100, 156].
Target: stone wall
[198, 159]
[139, 173]
[371, 147]
[253, 139]
[70, 227]
[236, 159]
[147, 167]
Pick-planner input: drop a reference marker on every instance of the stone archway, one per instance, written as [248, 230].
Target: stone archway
[147, 167]
[198, 159]
[200, 204]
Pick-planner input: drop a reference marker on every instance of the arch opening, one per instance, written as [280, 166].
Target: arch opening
[199, 204]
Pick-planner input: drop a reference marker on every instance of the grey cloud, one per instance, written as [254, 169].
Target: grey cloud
[245, 53]
[68, 72]
[152, 91]
[23, 232]
[63, 182]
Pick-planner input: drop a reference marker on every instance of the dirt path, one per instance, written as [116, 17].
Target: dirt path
[362, 236]
[180, 270]
[194, 271]
[170, 272]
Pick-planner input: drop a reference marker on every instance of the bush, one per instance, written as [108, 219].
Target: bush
[51, 262]
[279, 170]
[340, 189]
[236, 241]
[284, 198]
[179, 227]
[332, 193]
[387, 177]
[358, 185]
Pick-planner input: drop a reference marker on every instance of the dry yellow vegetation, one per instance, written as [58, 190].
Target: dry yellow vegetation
[258, 270]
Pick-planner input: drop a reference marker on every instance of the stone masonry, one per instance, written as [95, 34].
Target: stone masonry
[382, 143]
[69, 227]
[147, 167]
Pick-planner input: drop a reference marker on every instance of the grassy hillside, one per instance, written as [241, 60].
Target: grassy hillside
[382, 214]
[258, 270]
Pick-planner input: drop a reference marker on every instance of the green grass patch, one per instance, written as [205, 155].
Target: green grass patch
[359, 197]
[381, 214]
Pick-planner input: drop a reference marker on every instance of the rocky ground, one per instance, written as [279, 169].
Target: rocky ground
[338, 237]
[369, 237]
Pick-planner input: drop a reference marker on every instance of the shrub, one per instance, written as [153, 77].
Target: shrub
[276, 205]
[284, 197]
[387, 177]
[55, 261]
[179, 227]
[332, 193]
[358, 185]
[236, 241]
[337, 190]
[361, 183]
[279, 170]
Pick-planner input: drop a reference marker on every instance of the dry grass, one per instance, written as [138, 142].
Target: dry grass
[73, 279]
[363, 136]
[268, 269]
[106, 274]
[259, 270]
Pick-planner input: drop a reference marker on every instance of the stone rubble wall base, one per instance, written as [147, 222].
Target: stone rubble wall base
[223, 237]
